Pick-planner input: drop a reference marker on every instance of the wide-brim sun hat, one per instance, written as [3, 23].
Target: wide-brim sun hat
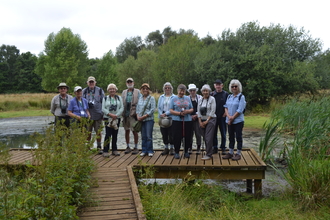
[62, 84]
[165, 122]
[145, 85]
[192, 87]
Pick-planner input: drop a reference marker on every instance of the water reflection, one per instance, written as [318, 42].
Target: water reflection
[19, 141]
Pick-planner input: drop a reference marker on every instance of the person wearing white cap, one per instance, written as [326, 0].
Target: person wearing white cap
[78, 107]
[207, 119]
[60, 103]
[192, 89]
[94, 95]
[130, 97]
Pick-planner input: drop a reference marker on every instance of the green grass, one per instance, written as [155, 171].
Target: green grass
[26, 113]
[202, 201]
[255, 121]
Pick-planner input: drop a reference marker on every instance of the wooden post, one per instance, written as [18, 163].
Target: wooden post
[249, 185]
[258, 188]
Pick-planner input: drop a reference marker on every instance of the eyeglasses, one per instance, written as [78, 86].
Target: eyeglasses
[233, 87]
[91, 82]
[167, 87]
[62, 88]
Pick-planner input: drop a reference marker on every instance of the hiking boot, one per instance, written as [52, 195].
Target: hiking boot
[190, 151]
[227, 156]
[135, 151]
[186, 155]
[223, 151]
[172, 152]
[215, 151]
[100, 151]
[116, 153]
[177, 156]
[165, 152]
[206, 157]
[106, 154]
[236, 157]
[128, 150]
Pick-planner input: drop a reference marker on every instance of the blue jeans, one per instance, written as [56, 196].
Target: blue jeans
[235, 130]
[146, 132]
[222, 125]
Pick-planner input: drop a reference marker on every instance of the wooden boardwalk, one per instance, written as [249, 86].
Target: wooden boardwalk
[116, 192]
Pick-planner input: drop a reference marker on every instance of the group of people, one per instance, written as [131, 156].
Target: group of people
[180, 116]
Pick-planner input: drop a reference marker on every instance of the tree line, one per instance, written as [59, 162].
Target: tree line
[269, 61]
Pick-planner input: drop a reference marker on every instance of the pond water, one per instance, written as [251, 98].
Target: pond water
[15, 133]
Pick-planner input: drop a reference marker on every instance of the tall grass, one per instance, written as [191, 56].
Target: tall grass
[56, 185]
[25, 101]
[308, 170]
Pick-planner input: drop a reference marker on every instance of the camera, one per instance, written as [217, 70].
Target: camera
[91, 104]
[63, 109]
[113, 107]
[203, 110]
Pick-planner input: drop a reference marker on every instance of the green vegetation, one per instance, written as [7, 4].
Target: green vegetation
[56, 184]
[308, 155]
[203, 201]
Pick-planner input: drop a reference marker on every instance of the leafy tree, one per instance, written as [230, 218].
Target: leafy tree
[167, 34]
[26, 79]
[65, 59]
[154, 39]
[322, 69]
[130, 47]
[269, 61]
[106, 70]
[8, 57]
[175, 60]
[139, 69]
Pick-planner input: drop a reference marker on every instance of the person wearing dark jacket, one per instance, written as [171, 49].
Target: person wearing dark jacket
[220, 98]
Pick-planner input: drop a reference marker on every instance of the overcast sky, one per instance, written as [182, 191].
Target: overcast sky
[103, 25]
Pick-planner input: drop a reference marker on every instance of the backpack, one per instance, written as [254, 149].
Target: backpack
[85, 93]
[239, 99]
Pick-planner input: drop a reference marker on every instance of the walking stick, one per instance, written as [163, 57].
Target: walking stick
[183, 136]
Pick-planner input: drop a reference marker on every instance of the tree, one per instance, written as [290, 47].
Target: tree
[175, 60]
[65, 59]
[8, 57]
[154, 39]
[26, 79]
[106, 71]
[130, 47]
[322, 69]
[269, 61]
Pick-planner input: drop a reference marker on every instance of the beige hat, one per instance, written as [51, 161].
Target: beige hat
[62, 84]
[129, 79]
[145, 85]
[91, 78]
[77, 88]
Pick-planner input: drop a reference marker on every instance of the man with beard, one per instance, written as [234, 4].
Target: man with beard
[130, 97]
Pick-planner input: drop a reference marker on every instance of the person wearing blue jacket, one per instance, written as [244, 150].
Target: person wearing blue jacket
[234, 109]
[164, 111]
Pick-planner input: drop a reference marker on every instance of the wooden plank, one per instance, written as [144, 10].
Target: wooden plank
[169, 160]
[216, 159]
[193, 158]
[247, 158]
[122, 159]
[161, 159]
[257, 158]
[136, 195]
[127, 162]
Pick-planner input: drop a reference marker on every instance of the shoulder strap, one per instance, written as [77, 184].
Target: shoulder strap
[145, 107]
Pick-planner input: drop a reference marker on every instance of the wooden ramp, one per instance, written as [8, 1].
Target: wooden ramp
[116, 192]
[116, 196]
